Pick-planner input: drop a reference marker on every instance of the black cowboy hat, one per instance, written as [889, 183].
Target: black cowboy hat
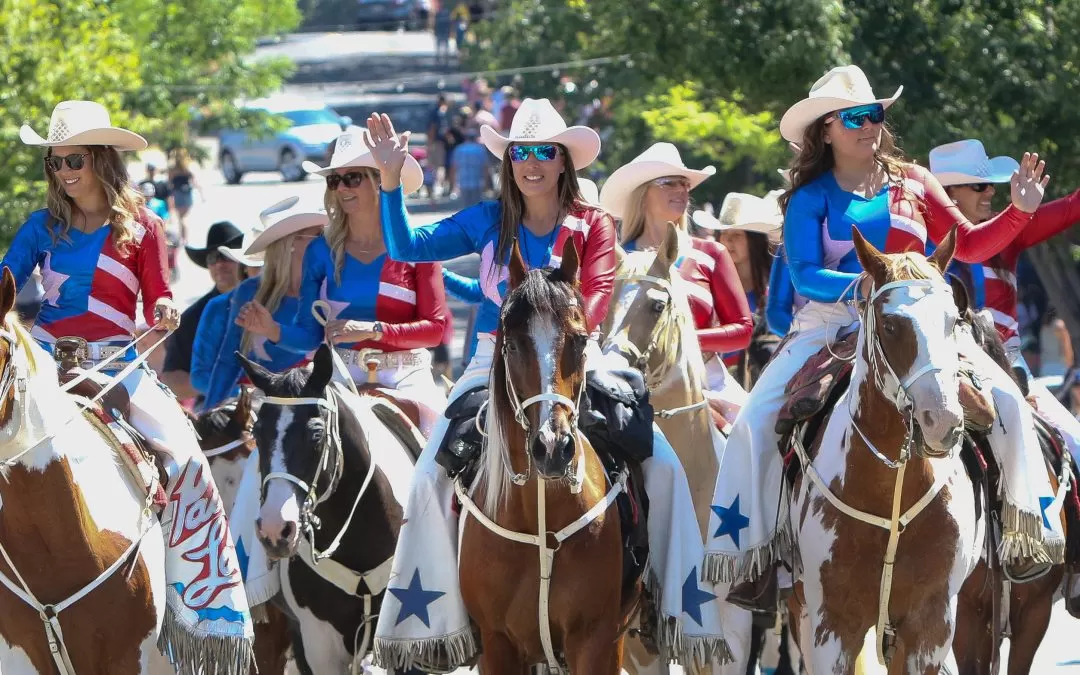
[224, 234]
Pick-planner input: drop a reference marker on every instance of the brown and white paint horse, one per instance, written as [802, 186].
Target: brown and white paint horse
[69, 518]
[575, 614]
[885, 514]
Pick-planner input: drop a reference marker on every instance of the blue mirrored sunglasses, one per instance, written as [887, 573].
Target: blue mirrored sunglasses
[855, 118]
[544, 153]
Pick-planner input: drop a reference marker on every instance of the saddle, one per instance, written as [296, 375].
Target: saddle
[408, 406]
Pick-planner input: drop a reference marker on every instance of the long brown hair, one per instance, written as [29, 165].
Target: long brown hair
[759, 252]
[124, 201]
[513, 202]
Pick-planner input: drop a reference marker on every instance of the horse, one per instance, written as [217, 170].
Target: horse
[650, 324]
[334, 480]
[541, 487]
[885, 464]
[82, 549]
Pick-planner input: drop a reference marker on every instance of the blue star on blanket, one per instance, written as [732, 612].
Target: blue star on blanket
[242, 558]
[1045, 503]
[415, 600]
[693, 597]
[732, 521]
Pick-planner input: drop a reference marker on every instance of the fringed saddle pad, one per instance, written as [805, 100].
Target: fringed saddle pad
[132, 450]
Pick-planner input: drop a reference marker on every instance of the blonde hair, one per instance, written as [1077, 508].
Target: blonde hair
[633, 222]
[273, 282]
[125, 203]
[337, 232]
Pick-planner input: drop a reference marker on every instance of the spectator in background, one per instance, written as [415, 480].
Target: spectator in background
[161, 187]
[460, 18]
[182, 186]
[443, 24]
[511, 103]
[471, 164]
[438, 127]
[1055, 346]
[158, 206]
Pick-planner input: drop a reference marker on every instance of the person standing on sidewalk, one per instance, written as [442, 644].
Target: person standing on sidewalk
[471, 168]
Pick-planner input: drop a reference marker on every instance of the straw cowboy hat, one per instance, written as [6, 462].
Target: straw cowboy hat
[661, 159]
[741, 211]
[966, 162]
[536, 121]
[82, 123]
[283, 219]
[351, 151]
[842, 87]
[221, 234]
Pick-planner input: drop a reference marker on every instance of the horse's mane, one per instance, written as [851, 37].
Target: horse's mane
[27, 344]
[911, 267]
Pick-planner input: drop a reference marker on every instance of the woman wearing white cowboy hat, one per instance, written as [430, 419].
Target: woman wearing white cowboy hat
[277, 247]
[648, 193]
[848, 173]
[969, 175]
[379, 306]
[539, 207]
[99, 249]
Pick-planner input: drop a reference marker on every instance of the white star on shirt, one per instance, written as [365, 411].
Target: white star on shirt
[51, 281]
[336, 308]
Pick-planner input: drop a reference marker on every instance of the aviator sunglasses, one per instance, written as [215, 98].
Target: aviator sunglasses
[351, 179]
[544, 153]
[855, 118]
[74, 161]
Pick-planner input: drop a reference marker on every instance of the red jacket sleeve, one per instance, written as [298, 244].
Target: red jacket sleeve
[431, 311]
[729, 303]
[152, 264]
[597, 273]
[974, 243]
[1050, 220]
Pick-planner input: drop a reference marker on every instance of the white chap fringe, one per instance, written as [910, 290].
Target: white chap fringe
[724, 568]
[694, 652]
[451, 651]
[199, 654]
[1022, 538]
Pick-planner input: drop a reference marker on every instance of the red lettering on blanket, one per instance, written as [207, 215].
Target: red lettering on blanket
[199, 512]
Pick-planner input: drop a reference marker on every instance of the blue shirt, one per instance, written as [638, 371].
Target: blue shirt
[467, 290]
[782, 301]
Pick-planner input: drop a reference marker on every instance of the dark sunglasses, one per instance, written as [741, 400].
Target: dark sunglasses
[351, 179]
[855, 118]
[74, 161]
[544, 153]
[978, 187]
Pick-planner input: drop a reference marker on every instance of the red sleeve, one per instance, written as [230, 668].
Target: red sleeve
[729, 303]
[152, 264]
[597, 274]
[431, 311]
[1050, 220]
[974, 243]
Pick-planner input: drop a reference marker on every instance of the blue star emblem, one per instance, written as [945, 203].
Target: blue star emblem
[732, 521]
[242, 558]
[415, 600]
[1045, 503]
[693, 597]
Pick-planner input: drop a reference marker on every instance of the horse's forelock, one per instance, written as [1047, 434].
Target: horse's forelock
[911, 267]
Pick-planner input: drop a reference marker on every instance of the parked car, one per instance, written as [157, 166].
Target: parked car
[312, 127]
[408, 14]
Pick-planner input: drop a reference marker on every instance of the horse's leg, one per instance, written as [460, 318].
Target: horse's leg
[500, 656]
[973, 645]
[924, 641]
[596, 652]
[1029, 618]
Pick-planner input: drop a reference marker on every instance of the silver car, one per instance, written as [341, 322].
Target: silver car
[312, 127]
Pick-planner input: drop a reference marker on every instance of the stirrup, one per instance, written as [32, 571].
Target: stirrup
[760, 596]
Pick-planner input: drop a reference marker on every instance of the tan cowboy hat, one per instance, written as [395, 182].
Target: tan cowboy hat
[745, 212]
[537, 121]
[282, 219]
[966, 163]
[661, 159]
[82, 123]
[842, 87]
[350, 150]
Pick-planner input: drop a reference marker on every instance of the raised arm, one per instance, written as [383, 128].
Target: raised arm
[729, 303]
[1050, 220]
[805, 250]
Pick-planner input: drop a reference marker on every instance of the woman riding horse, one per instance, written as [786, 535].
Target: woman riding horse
[651, 191]
[382, 309]
[276, 247]
[540, 209]
[99, 248]
[848, 172]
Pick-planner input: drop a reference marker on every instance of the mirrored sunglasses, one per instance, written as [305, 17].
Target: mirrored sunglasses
[672, 182]
[544, 153]
[74, 161]
[855, 118]
[351, 179]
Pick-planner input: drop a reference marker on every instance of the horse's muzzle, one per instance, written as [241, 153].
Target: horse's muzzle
[552, 451]
[280, 544]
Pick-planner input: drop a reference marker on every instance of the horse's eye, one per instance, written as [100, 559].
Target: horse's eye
[510, 346]
[889, 324]
[658, 306]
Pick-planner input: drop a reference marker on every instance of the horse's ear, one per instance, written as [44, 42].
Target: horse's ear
[943, 255]
[322, 370]
[242, 413]
[568, 269]
[959, 294]
[872, 260]
[259, 376]
[517, 266]
[668, 252]
[8, 292]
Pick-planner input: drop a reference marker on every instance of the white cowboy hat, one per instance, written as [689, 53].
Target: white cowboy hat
[282, 219]
[661, 159]
[966, 162]
[82, 123]
[741, 211]
[351, 150]
[842, 87]
[537, 121]
[589, 192]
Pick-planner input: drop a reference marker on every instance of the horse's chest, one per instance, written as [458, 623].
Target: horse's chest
[329, 619]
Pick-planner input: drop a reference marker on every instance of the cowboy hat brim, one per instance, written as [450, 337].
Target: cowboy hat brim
[237, 257]
[121, 139]
[582, 143]
[615, 195]
[198, 255]
[285, 227]
[801, 115]
[412, 175]
[1001, 171]
[709, 222]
